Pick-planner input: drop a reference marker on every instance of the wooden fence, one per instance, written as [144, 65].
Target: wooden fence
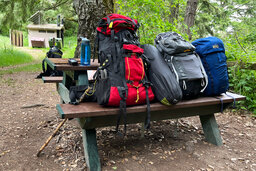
[16, 37]
[249, 66]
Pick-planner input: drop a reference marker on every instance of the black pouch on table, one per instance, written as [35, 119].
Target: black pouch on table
[76, 92]
[54, 52]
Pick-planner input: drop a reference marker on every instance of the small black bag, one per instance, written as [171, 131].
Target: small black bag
[87, 93]
[54, 52]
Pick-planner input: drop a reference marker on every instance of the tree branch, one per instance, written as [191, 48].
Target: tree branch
[239, 42]
[55, 5]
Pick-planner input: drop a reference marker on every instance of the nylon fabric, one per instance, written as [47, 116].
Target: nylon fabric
[122, 66]
[212, 52]
[172, 43]
[119, 22]
[114, 98]
[184, 62]
[164, 84]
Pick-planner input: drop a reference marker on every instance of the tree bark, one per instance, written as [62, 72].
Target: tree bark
[89, 13]
[190, 15]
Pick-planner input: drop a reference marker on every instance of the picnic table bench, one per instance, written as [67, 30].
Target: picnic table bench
[90, 115]
[57, 79]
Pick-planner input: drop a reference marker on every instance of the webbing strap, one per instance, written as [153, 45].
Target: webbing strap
[221, 108]
[122, 112]
[234, 103]
[221, 104]
[112, 34]
[108, 20]
[122, 108]
[147, 120]
[114, 57]
[147, 84]
[120, 60]
[134, 22]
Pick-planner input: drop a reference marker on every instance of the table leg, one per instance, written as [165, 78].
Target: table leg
[211, 130]
[89, 136]
[91, 149]
[67, 81]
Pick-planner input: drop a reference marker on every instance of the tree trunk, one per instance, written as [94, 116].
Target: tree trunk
[89, 13]
[190, 15]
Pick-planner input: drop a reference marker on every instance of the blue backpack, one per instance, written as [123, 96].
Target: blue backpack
[212, 53]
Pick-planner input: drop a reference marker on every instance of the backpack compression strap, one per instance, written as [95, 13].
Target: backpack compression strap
[123, 92]
[122, 108]
[147, 120]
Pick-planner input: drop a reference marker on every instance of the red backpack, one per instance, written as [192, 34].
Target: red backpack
[121, 77]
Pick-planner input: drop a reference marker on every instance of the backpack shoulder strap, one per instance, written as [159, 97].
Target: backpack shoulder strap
[203, 71]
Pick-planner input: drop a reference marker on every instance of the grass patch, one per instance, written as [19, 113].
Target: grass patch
[27, 68]
[10, 57]
[5, 42]
[69, 48]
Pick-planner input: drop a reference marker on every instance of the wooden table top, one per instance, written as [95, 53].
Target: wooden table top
[61, 64]
[90, 109]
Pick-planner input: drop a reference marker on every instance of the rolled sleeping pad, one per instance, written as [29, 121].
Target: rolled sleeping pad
[165, 86]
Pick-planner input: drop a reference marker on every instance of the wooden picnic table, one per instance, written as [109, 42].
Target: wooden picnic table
[90, 115]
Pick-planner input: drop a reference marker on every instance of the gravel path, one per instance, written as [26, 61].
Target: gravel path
[28, 117]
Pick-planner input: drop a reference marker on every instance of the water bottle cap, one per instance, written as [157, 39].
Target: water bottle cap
[84, 39]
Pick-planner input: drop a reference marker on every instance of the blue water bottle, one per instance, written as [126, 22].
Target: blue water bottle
[85, 52]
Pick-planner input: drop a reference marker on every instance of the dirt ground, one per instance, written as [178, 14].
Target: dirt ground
[28, 117]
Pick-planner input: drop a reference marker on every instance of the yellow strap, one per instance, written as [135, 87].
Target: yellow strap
[187, 50]
[138, 96]
[129, 72]
[111, 25]
[138, 92]
[143, 72]
[89, 88]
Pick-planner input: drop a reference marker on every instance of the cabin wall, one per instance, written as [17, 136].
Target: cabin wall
[46, 34]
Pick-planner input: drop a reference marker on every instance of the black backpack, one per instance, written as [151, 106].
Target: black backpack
[54, 52]
[121, 77]
[164, 84]
[181, 57]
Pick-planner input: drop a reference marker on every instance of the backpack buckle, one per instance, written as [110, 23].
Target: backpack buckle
[123, 92]
[146, 84]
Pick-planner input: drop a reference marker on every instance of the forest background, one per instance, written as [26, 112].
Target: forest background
[233, 21]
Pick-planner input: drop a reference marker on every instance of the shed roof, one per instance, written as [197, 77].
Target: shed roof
[45, 27]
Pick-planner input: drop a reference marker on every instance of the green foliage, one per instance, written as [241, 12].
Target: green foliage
[232, 21]
[15, 14]
[70, 47]
[153, 15]
[243, 81]
[4, 42]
